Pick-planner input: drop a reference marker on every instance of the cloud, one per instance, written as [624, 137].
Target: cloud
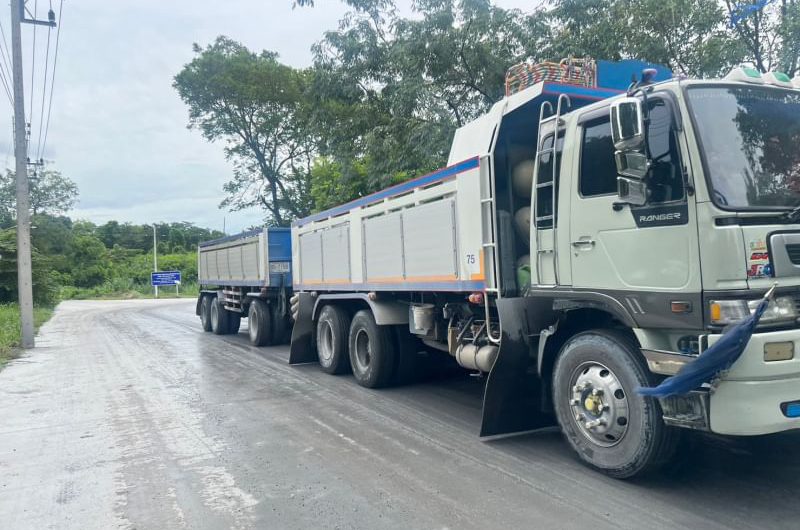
[118, 128]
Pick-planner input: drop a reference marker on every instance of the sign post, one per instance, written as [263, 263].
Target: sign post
[163, 278]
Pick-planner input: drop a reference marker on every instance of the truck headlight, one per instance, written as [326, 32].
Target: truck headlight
[780, 310]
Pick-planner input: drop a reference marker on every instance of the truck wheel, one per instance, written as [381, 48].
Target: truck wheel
[234, 322]
[259, 323]
[218, 317]
[610, 427]
[205, 313]
[333, 327]
[372, 351]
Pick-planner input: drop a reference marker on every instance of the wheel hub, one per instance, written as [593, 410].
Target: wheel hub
[363, 353]
[599, 404]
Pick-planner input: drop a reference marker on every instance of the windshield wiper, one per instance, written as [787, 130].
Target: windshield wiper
[793, 214]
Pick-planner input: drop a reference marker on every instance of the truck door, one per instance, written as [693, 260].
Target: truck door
[622, 247]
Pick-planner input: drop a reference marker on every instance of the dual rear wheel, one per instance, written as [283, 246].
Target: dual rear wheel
[215, 318]
[266, 327]
[359, 345]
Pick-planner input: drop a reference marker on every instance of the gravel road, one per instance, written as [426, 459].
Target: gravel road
[126, 415]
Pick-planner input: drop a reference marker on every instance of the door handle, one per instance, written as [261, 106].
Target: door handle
[583, 243]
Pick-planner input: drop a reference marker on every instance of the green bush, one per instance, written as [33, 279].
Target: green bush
[9, 328]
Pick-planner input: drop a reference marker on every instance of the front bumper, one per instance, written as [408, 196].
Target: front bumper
[748, 400]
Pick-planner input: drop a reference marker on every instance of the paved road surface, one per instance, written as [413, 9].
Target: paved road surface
[128, 416]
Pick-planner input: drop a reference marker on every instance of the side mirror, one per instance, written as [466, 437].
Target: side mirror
[632, 191]
[627, 124]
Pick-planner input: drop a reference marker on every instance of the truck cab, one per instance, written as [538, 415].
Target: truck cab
[677, 235]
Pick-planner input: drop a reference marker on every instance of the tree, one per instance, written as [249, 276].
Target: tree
[255, 105]
[51, 193]
[389, 92]
[330, 186]
[44, 279]
[88, 256]
[690, 36]
[769, 30]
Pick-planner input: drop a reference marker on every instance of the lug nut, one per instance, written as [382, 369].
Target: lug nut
[597, 391]
[575, 402]
[594, 423]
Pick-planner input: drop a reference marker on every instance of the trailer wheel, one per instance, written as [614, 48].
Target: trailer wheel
[259, 323]
[219, 317]
[205, 312]
[372, 351]
[333, 326]
[610, 427]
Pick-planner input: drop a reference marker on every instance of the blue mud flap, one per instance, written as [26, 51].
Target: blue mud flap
[303, 348]
[512, 398]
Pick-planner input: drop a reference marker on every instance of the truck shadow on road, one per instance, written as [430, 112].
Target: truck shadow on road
[747, 475]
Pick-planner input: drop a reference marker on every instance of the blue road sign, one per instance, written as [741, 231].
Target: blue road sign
[165, 278]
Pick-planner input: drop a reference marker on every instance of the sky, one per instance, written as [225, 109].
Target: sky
[117, 126]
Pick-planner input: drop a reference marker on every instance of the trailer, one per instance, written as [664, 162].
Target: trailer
[247, 275]
[569, 261]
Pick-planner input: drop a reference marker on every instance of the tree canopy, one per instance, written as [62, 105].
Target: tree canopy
[255, 105]
[385, 93]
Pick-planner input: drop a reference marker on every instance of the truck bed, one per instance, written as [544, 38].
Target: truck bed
[425, 234]
[257, 258]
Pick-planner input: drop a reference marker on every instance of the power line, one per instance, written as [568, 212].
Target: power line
[3, 76]
[53, 78]
[44, 94]
[33, 68]
[5, 55]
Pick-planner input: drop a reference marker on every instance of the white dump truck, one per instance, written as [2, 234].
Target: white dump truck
[571, 259]
[246, 275]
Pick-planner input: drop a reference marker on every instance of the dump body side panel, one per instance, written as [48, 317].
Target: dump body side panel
[422, 235]
[239, 260]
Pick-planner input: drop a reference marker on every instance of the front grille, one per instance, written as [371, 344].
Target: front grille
[794, 253]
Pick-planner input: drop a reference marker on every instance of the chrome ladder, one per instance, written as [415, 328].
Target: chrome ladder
[544, 129]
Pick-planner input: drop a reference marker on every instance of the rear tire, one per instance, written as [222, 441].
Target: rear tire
[259, 323]
[218, 317]
[372, 351]
[333, 327]
[612, 428]
[205, 313]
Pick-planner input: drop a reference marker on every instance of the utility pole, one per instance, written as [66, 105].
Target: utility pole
[155, 256]
[24, 280]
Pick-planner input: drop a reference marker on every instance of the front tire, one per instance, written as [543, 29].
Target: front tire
[372, 351]
[612, 428]
[259, 323]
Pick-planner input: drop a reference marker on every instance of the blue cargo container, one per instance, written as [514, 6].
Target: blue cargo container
[246, 275]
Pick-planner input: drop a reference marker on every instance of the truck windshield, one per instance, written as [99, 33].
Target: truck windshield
[750, 138]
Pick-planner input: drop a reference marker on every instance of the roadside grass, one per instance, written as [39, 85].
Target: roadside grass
[127, 291]
[9, 329]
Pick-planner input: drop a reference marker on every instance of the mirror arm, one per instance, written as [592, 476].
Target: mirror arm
[687, 183]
